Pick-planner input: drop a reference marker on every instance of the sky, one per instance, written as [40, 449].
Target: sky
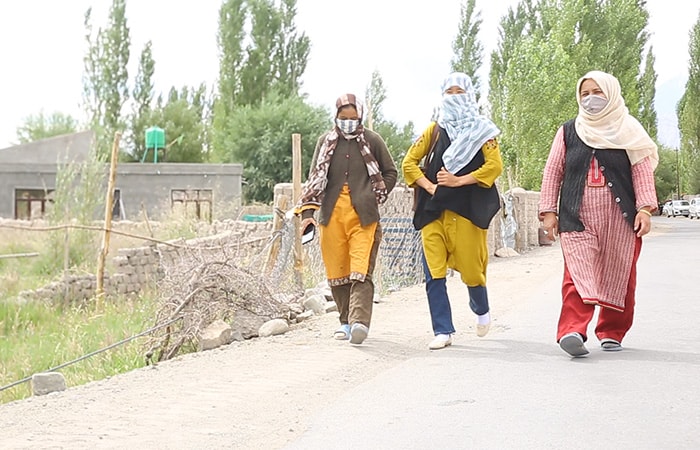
[42, 45]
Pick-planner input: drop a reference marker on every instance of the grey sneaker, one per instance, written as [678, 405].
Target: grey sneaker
[572, 344]
[358, 333]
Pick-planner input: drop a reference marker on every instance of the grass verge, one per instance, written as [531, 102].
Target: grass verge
[35, 337]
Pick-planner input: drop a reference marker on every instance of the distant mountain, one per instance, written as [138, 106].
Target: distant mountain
[667, 96]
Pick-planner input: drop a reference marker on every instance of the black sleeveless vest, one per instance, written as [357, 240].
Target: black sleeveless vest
[614, 164]
[476, 203]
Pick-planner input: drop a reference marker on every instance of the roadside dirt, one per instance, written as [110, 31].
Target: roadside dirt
[261, 393]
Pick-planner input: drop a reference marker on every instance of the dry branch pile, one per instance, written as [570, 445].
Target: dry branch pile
[202, 286]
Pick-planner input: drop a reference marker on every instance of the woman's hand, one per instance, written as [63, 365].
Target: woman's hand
[445, 178]
[426, 184]
[550, 223]
[642, 222]
[305, 223]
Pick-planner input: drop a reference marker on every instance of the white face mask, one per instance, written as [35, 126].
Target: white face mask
[347, 126]
[593, 104]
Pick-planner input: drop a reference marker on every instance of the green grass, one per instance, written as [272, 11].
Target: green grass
[36, 336]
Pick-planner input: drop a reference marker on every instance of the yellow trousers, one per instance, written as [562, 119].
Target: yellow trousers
[452, 241]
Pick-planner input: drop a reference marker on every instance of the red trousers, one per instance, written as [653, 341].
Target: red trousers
[576, 315]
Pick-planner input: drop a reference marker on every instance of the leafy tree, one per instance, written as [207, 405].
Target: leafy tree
[105, 77]
[398, 139]
[617, 30]
[272, 61]
[666, 174]
[143, 97]
[647, 92]
[42, 126]
[689, 117]
[262, 135]
[468, 50]
[181, 118]
[549, 44]
[375, 95]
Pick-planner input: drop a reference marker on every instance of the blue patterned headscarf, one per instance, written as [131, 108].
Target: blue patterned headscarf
[467, 128]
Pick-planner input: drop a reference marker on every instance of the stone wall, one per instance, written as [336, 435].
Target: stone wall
[139, 268]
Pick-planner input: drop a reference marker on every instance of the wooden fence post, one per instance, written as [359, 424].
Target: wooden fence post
[99, 290]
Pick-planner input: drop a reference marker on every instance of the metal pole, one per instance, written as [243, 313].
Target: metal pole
[678, 172]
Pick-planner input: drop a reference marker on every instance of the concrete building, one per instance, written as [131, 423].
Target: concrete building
[28, 179]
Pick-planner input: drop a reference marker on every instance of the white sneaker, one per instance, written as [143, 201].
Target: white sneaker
[483, 329]
[440, 341]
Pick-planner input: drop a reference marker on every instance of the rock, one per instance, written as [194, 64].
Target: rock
[330, 307]
[218, 333]
[247, 323]
[273, 327]
[315, 303]
[303, 316]
[46, 383]
[506, 252]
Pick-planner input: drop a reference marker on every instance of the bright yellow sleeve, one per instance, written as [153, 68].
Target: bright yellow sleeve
[411, 162]
[493, 165]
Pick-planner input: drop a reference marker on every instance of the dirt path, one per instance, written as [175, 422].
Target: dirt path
[258, 394]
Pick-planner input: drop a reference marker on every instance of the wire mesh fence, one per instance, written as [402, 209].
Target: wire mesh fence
[398, 262]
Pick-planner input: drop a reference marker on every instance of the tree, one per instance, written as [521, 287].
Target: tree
[263, 141]
[142, 95]
[397, 139]
[181, 116]
[272, 62]
[468, 50]
[647, 92]
[375, 95]
[42, 126]
[665, 175]
[688, 112]
[550, 44]
[105, 77]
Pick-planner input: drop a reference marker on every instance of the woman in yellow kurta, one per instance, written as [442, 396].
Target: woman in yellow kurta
[457, 199]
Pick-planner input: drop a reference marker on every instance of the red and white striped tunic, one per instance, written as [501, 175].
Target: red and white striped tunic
[599, 258]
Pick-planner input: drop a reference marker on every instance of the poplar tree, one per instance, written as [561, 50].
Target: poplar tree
[647, 91]
[544, 47]
[143, 93]
[397, 139]
[261, 53]
[468, 49]
[688, 112]
[105, 76]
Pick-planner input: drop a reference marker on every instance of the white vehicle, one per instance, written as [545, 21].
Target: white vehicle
[666, 209]
[694, 208]
[677, 208]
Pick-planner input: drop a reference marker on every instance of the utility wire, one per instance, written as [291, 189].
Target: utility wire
[109, 347]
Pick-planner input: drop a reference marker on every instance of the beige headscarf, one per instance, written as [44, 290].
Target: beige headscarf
[613, 127]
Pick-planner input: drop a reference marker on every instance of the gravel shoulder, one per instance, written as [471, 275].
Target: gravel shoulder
[261, 393]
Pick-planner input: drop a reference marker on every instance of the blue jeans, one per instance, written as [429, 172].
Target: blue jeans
[439, 302]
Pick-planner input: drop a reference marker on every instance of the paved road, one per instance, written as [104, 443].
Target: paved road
[513, 389]
[516, 389]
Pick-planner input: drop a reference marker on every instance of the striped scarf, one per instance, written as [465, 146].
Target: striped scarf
[315, 187]
[467, 128]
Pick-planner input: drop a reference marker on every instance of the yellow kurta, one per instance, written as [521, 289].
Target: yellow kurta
[453, 241]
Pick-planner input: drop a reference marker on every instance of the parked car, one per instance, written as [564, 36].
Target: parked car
[677, 208]
[694, 208]
[666, 209]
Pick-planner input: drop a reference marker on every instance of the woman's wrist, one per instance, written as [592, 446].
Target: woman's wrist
[644, 211]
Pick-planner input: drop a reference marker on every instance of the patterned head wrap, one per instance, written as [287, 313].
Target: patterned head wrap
[315, 187]
[467, 129]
